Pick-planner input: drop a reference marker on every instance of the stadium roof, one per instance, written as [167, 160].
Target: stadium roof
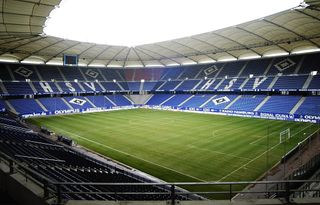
[291, 31]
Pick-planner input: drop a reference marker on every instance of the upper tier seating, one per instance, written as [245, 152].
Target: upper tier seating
[170, 85]
[72, 73]
[285, 65]
[315, 82]
[310, 63]
[231, 69]
[149, 85]
[111, 86]
[256, 67]
[45, 87]
[290, 82]
[22, 72]
[187, 85]
[280, 73]
[49, 73]
[18, 88]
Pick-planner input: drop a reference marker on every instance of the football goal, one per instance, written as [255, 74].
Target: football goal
[285, 135]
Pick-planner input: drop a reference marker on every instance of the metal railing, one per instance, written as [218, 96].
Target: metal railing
[165, 191]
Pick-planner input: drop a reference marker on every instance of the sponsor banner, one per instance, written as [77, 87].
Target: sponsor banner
[252, 114]
[74, 111]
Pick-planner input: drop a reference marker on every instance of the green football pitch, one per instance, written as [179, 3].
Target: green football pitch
[179, 146]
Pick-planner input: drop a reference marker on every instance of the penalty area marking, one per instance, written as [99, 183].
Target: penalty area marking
[217, 152]
[92, 141]
[257, 157]
[261, 137]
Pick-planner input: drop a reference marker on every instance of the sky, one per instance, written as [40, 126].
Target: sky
[138, 22]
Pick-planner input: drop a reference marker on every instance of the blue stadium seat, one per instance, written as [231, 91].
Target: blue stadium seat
[256, 67]
[149, 85]
[26, 106]
[187, 85]
[119, 100]
[170, 85]
[45, 87]
[110, 86]
[211, 104]
[315, 83]
[290, 82]
[52, 104]
[100, 101]
[176, 100]
[231, 69]
[310, 106]
[84, 104]
[280, 104]
[18, 88]
[157, 99]
[197, 100]
[310, 63]
[247, 102]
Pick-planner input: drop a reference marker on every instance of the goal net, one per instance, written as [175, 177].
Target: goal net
[285, 135]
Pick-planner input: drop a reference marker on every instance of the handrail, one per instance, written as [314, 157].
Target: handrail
[58, 189]
[186, 183]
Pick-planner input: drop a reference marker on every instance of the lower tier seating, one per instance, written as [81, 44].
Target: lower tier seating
[60, 163]
[308, 105]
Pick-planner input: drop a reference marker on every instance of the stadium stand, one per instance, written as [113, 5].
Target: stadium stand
[280, 104]
[18, 88]
[247, 102]
[58, 163]
[311, 106]
[2, 106]
[53, 104]
[315, 82]
[277, 74]
[26, 106]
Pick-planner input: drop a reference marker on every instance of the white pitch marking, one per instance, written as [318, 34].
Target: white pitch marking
[260, 156]
[131, 155]
[213, 151]
[257, 140]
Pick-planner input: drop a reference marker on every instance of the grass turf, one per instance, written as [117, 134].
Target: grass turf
[177, 146]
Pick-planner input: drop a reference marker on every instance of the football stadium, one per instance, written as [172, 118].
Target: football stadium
[229, 115]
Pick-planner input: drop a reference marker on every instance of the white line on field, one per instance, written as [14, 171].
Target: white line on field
[260, 156]
[262, 137]
[130, 155]
[217, 152]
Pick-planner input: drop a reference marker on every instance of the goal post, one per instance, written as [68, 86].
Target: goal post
[285, 135]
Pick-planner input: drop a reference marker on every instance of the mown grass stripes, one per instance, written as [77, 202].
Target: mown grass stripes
[177, 146]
